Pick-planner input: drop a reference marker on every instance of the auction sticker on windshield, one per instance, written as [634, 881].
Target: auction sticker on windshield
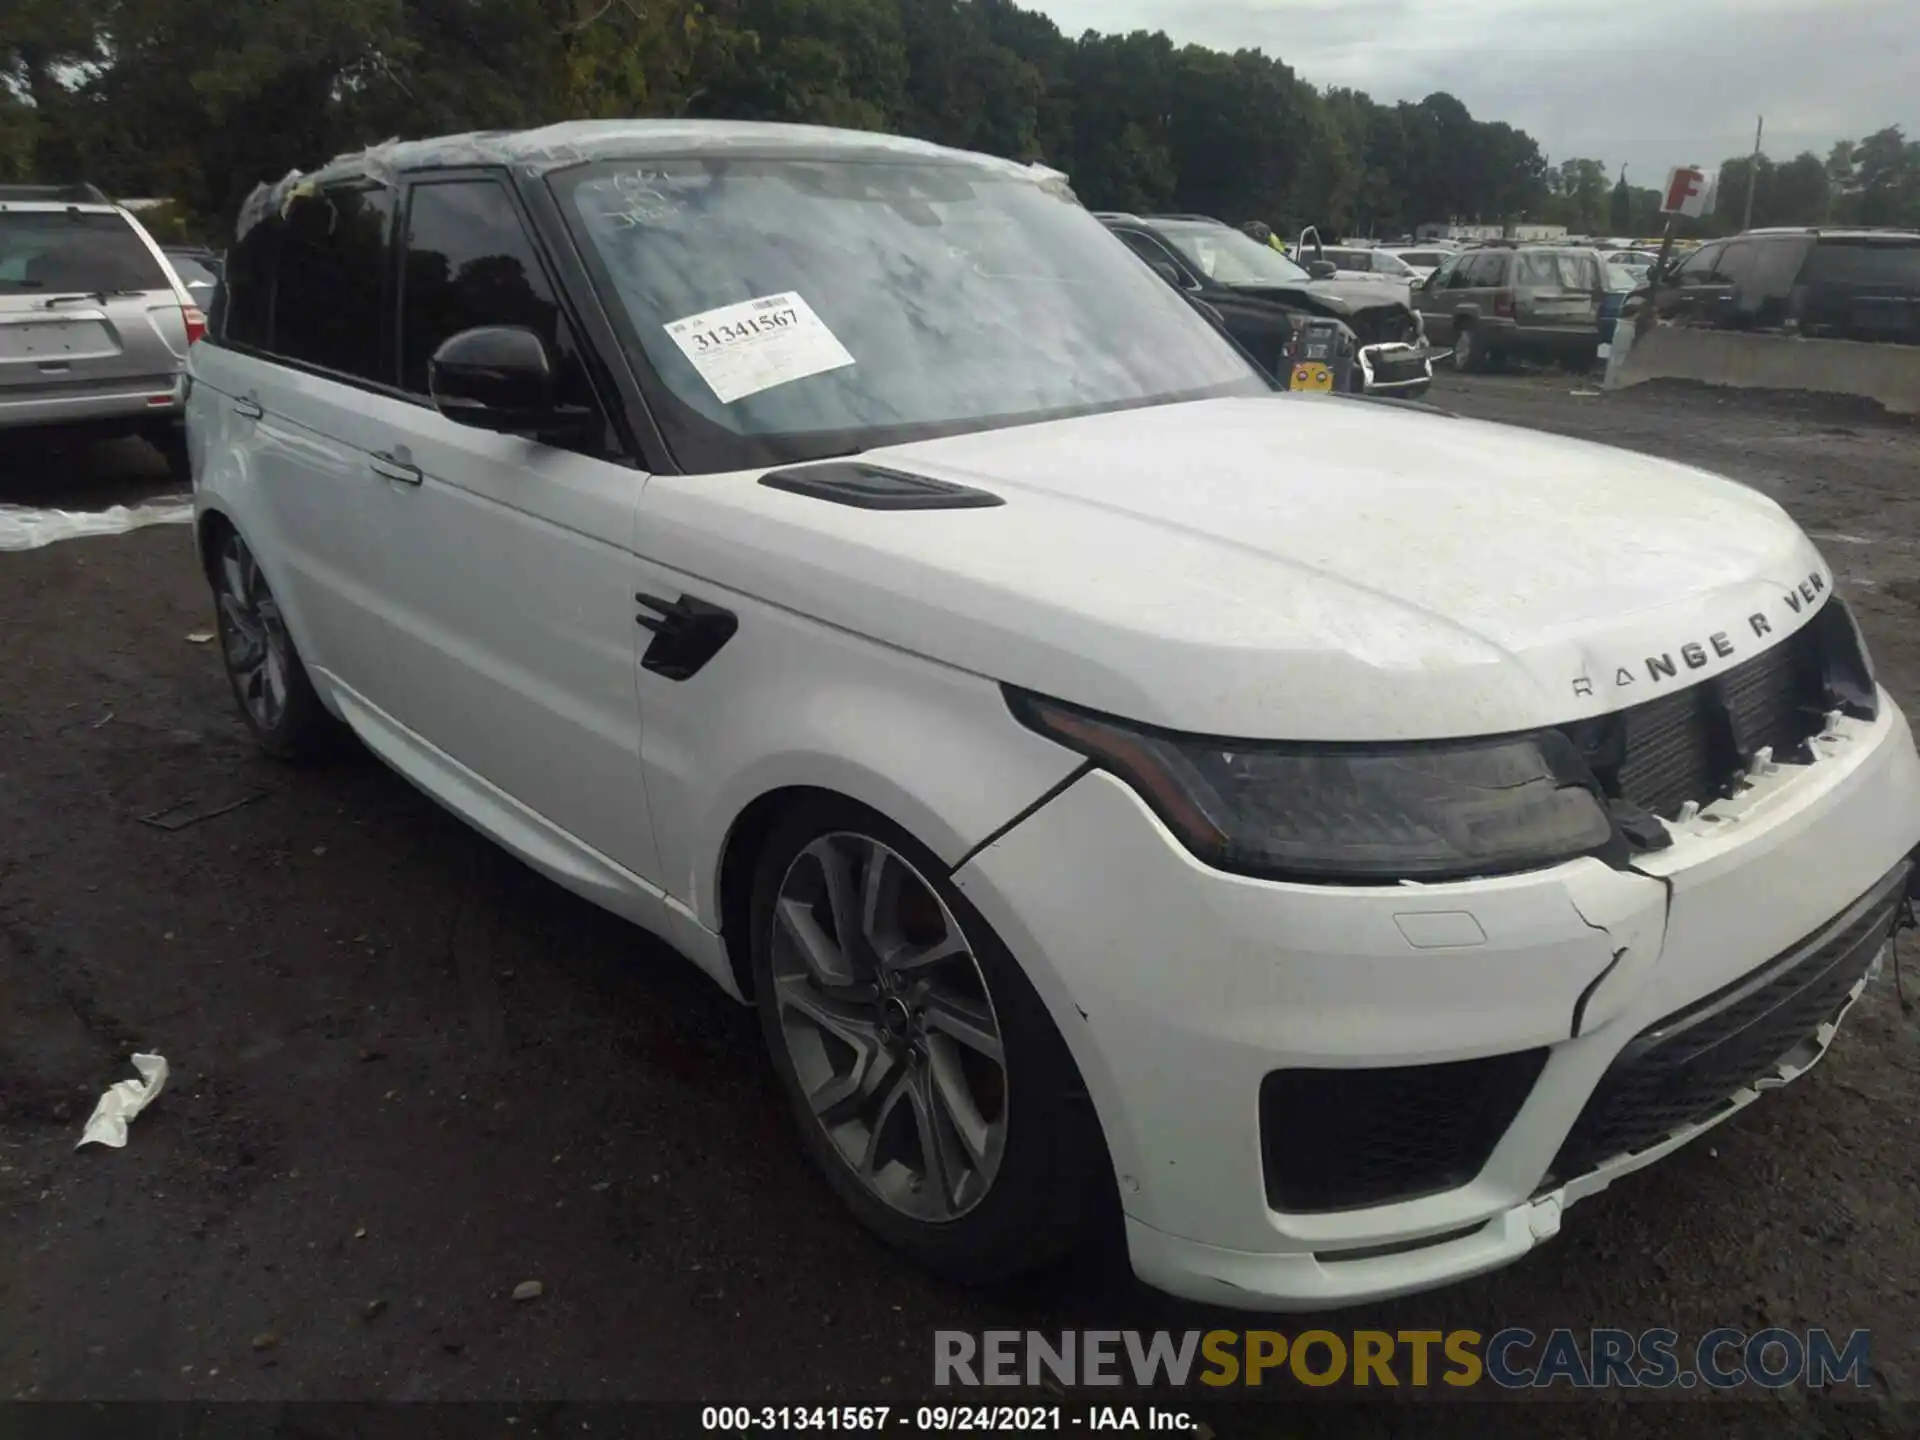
[755, 345]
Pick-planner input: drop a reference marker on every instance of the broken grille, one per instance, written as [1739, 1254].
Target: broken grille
[1696, 743]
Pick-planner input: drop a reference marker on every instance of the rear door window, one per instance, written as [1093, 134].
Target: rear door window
[54, 252]
[245, 301]
[329, 306]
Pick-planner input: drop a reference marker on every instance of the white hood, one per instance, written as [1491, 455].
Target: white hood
[1285, 567]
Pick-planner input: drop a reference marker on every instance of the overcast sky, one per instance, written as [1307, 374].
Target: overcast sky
[1651, 83]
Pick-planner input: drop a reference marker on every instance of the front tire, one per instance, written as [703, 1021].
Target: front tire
[263, 667]
[1469, 353]
[928, 1082]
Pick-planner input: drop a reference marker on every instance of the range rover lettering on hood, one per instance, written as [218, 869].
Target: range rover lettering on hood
[1699, 653]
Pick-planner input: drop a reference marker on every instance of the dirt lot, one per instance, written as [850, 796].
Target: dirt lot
[409, 1074]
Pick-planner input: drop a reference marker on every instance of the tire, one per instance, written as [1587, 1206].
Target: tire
[1019, 1193]
[269, 681]
[172, 445]
[1468, 357]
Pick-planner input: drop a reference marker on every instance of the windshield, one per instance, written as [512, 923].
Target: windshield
[1229, 258]
[56, 252]
[1625, 277]
[799, 308]
[1387, 263]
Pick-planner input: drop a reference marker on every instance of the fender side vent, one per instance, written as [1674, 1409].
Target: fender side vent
[869, 487]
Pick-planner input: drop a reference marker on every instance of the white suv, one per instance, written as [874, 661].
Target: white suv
[1111, 779]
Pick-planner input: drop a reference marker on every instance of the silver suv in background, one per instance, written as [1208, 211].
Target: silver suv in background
[94, 321]
[1538, 301]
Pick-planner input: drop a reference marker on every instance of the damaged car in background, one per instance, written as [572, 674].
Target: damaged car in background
[1253, 287]
[1119, 787]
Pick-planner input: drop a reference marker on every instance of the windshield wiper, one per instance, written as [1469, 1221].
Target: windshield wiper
[99, 296]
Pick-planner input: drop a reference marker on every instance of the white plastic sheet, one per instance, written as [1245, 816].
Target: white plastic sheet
[108, 1123]
[24, 527]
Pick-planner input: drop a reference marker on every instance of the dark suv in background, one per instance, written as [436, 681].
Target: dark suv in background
[1842, 284]
[1263, 299]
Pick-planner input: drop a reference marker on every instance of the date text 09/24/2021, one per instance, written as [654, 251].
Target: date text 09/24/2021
[943, 1419]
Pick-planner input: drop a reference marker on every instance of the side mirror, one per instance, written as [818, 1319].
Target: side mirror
[498, 377]
[1322, 270]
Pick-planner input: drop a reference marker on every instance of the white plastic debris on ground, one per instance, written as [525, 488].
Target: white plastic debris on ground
[108, 1123]
[24, 527]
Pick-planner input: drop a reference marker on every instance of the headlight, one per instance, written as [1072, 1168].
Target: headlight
[1354, 813]
[1849, 681]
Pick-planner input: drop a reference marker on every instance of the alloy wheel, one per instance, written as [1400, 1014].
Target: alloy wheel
[886, 1018]
[253, 636]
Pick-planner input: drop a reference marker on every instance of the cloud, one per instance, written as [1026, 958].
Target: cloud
[1649, 83]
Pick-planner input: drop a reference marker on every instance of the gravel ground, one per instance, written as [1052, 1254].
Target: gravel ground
[409, 1075]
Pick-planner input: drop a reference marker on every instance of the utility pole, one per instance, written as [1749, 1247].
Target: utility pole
[1753, 172]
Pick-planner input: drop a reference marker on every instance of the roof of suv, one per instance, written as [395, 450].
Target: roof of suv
[1829, 232]
[576, 142]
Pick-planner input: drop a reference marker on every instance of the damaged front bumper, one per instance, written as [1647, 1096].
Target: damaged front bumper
[1244, 1040]
[1390, 369]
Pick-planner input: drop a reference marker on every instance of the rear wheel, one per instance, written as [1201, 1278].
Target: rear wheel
[171, 442]
[262, 664]
[930, 1087]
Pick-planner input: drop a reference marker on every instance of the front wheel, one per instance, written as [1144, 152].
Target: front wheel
[930, 1086]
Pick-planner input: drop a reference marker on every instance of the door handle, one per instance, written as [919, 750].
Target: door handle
[392, 467]
[248, 406]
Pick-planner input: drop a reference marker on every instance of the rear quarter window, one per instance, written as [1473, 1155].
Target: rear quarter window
[64, 251]
[1867, 262]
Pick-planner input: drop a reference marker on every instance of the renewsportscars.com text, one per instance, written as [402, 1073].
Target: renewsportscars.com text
[1511, 1358]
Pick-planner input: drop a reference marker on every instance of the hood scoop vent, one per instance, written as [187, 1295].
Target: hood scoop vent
[870, 487]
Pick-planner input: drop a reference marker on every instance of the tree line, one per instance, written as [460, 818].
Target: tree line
[199, 99]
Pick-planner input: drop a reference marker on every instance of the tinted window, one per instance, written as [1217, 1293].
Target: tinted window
[328, 307]
[469, 262]
[64, 251]
[1841, 262]
[246, 300]
[1699, 265]
[1735, 263]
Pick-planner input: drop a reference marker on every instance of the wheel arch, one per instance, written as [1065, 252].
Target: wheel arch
[210, 526]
